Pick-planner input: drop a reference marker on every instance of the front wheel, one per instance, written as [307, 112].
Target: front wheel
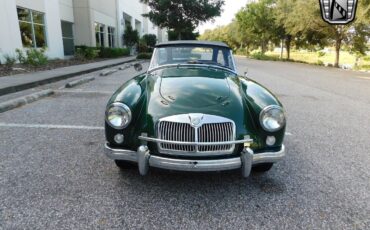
[262, 167]
[124, 164]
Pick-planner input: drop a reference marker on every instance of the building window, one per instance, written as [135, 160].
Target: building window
[99, 34]
[68, 41]
[32, 28]
[111, 36]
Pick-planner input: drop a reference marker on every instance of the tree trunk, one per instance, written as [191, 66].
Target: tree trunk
[263, 47]
[281, 49]
[287, 45]
[338, 44]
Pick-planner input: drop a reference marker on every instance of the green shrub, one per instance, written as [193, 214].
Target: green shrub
[150, 40]
[20, 56]
[130, 36]
[86, 53]
[319, 62]
[364, 67]
[143, 47]
[261, 56]
[9, 62]
[321, 53]
[36, 57]
[113, 52]
[367, 58]
[144, 56]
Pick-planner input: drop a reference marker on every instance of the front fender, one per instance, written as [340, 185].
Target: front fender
[257, 98]
[132, 94]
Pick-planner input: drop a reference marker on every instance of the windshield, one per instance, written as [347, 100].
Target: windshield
[193, 54]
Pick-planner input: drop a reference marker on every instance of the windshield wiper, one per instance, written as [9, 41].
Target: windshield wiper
[208, 63]
[195, 62]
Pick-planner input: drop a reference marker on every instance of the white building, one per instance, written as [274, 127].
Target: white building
[59, 25]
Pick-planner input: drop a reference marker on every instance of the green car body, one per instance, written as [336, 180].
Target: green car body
[172, 90]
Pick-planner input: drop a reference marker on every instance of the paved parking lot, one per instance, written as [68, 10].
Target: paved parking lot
[54, 175]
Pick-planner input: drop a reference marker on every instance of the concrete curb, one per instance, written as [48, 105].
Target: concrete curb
[21, 87]
[79, 82]
[15, 103]
[108, 72]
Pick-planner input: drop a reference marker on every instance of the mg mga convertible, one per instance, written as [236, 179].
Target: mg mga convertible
[191, 111]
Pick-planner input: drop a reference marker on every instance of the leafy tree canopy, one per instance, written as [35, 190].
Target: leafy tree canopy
[150, 39]
[182, 15]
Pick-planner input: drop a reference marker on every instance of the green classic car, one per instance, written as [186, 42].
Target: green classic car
[191, 111]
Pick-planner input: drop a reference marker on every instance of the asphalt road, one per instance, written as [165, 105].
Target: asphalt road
[54, 175]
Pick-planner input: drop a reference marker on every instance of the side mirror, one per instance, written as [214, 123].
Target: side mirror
[138, 67]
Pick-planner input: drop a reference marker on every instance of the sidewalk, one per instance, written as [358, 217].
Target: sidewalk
[12, 84]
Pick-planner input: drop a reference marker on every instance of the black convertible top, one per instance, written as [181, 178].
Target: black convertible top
[192, 42]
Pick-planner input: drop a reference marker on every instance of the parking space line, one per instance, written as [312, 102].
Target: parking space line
[288, 134]
[86, 91]
[41, 126]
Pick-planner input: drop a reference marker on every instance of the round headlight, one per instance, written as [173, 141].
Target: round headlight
[118, 115]
[272, 118]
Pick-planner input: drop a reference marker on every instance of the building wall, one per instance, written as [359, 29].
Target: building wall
[82, 14]
[66, 10]
[9, 29]
[89, 12]
[34, 4]
[53, 29]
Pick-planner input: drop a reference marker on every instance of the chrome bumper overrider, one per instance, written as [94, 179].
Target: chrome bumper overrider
[145, 160]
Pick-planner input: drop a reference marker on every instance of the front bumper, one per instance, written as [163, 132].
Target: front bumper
[145, 160]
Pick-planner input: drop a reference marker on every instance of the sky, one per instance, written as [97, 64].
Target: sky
[230, 8]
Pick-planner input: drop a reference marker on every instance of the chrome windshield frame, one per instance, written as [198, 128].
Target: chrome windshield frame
[192, 65]
[234, 70]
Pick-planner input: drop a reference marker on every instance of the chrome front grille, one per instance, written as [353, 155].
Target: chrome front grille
[217, 132]
[172, 131]
[210, 129]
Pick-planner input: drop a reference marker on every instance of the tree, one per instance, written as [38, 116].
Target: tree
[187, 34]
[150, 40]
[305, 19]
[182, 16]
[130, 37]
[282, 10]
[258, 19]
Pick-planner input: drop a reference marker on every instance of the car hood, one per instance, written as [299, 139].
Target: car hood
[173, 91]
[197, 91]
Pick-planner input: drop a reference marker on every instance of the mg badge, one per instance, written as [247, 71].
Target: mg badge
[195, 119]
[338, 11]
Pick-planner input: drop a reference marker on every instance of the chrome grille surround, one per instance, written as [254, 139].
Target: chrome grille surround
[196, 128]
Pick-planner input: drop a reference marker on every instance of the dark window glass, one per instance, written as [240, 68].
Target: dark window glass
[99, 34]
[68, 46]
[111, 36]
[97, 38]
[32, 28]
[67, 29]
[38, 17]
[40, 36]
[24, 15]
[68, 40]
[102, 39]
[26, 34]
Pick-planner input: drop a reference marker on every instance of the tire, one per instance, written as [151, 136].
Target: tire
[124, 164]
[262, 167]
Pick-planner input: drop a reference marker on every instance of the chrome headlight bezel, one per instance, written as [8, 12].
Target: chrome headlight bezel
[121, 108]
[268, 109]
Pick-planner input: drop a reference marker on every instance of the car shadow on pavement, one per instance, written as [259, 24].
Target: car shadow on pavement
[211, 181]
